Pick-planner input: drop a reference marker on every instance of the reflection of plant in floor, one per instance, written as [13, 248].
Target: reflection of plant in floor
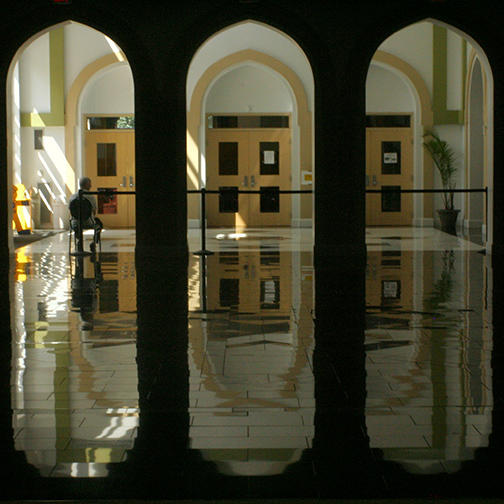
[442, 289]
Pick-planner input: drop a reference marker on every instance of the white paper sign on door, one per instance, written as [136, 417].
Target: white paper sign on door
[390, 157]
[269, 157]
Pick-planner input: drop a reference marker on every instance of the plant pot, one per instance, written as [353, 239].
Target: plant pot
[448, 220]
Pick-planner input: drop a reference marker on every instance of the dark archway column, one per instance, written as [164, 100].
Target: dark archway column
[156, 466]
[490, 458]
[341, 452]
[161, 208]
[339, 173]
[498, 174]
[342, 456]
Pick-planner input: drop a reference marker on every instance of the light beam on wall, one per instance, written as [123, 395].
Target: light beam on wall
[192, 150]
[115, 49]
[63, 167]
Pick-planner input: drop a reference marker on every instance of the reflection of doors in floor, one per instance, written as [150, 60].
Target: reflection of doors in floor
[389, 282]
[248, 160]
[110, 163]
[389, 165]
[253, 283]
[117, 289]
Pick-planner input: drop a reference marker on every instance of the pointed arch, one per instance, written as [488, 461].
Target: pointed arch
[63, 111]
[473, 65]
[488, 147]
[73, 99]
[422, 96]
[194, 114]
[428, 117]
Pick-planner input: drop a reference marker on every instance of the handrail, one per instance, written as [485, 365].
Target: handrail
[435, 191]
[482, 190]
[203, 191]
[257, 191]
[108, 192]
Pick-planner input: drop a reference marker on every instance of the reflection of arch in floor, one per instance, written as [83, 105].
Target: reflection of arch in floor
[196, 112]
[223, 390]
[251, 362]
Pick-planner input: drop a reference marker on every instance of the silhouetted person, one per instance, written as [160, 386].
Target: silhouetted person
[92, 222]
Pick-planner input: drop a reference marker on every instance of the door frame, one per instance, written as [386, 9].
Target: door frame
[84, 132]
[413, 173]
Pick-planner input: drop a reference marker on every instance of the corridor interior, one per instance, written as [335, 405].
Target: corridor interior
[251, 337]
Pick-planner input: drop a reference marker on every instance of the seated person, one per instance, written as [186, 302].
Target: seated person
[92, 222]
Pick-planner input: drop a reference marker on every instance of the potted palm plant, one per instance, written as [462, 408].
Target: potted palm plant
[443, 157]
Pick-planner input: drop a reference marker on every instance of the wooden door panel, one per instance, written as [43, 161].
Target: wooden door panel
[110, 163]
[227, 168]
[389, 165]
[270, 171]
[248, 160]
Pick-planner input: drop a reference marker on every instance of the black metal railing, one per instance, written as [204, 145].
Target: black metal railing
[483, 190]
[203, 193]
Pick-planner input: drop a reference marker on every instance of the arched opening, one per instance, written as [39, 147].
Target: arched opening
[249, 125]
[67, 86]
[274, 62]
[437, 93]
[439, 79]
[54, 86]
[397, 97]
[476, 131]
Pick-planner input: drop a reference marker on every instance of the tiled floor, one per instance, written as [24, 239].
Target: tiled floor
[258, 419]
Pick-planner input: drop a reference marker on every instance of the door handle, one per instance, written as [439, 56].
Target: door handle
[367, 180]
[123, 182]
[375, 182]
[252, 181]
[245, 181]
[131, 181]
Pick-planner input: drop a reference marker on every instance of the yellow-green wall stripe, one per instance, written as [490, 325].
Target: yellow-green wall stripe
[57, 85]
[440, 78]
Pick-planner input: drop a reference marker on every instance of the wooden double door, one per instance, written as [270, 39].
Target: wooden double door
[110, 163]
[251, 161]
[389, 165]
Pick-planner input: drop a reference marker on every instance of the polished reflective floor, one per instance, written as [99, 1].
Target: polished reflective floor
[272, 398]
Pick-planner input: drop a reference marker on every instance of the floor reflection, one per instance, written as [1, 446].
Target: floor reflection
[74, 380]
[428, 341]
[251, 341]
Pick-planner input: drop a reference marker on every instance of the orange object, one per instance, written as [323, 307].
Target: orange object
[22, 266]
[21, 215]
